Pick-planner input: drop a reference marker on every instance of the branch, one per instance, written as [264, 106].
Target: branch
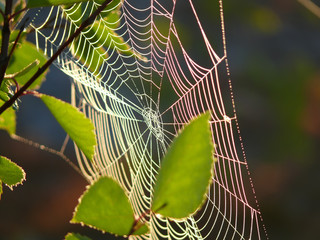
[312, 7]
[18, 12]
[50, 150]
[17, 39]
[41, 70]
[4, 59]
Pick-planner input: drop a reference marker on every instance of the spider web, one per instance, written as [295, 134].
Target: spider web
[139, 97]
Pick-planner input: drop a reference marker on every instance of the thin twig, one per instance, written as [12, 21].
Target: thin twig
[311, 6]
[16, 13]
[41, 70]
[50, 150]
[17, 39]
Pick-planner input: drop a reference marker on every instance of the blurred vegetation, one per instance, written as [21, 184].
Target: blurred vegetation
[274, 56]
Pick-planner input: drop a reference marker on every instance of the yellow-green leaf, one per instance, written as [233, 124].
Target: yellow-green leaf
[106, 207]
[10, 173]
[74, 122]
[49, 3]
[76, 236]
[186, 171]
[8, 120]
[24, 55]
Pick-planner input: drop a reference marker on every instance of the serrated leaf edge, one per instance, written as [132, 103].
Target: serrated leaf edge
[22, 179]
[39, 95]
[73, 221]
[204, 198]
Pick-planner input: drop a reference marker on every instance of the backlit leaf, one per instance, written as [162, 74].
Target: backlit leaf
[106, 207]
[8, 120]
[24, 55]
[10, 173]
[186, 171]
[110, 40]
[48, 3]
[74, 122]
[76, 236]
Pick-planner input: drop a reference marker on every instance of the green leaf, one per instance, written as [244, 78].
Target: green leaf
[110, 40]
[48, 3]
[14, 34]
[93, 46]
[8, 120]
[89, 55]
[6, 93]
[10, 173]
[79, 12]
[5, 86]
[4, 96]
[112, 19]
[186, 171]
[24, 55]
[23, 71]
[76, 236]
[74, 122]
[106, 207]
[141, 230]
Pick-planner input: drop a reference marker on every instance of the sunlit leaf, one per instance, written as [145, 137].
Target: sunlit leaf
[48, 3]
[4, 96]
[106, 207]
[76, 236]
[110, 40]
[92, 48]
[79, 12]
[186, 171]
[113, 6]
[92, 57]
[6, 93]
[13, 35]
[23, 71]
[143, 229]
[24, 55]
[112, 20]
[74, 122]
[8, 120]
[10, 173]
[74, 12]
[18, 5]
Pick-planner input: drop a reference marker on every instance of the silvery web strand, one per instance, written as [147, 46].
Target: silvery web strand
[140, 98]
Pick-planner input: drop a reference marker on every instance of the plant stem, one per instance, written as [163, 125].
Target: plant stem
[18, 12]
[50, 150]
[16, 41]
[311, 6]
[4, 59]
[41, 70]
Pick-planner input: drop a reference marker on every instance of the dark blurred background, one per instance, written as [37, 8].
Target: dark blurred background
[274, 55]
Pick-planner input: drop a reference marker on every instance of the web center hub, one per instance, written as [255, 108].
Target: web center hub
[154, 122]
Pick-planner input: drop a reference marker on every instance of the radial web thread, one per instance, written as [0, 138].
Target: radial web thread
[139, 97]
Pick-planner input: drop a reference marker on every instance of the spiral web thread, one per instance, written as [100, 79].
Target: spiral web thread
[140, 97]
